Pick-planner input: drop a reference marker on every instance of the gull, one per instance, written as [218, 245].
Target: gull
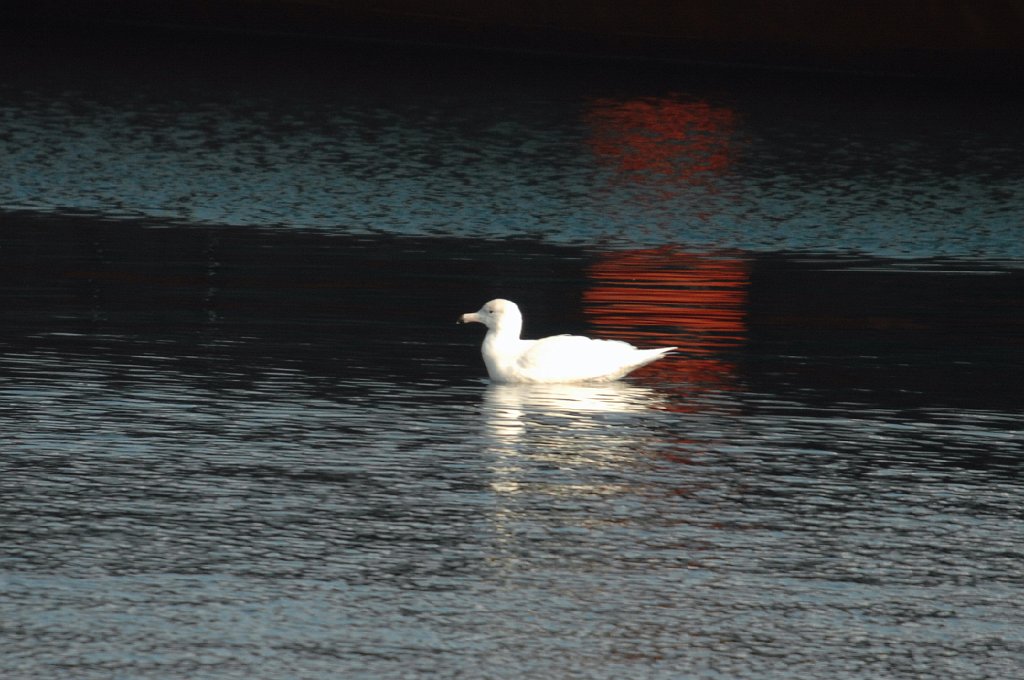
[555, 359]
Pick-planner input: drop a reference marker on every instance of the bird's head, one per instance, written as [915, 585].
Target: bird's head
[496, 315]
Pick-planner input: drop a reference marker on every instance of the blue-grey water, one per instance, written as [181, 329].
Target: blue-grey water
[241, 435]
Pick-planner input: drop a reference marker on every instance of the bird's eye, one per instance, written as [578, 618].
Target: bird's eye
[490, 311]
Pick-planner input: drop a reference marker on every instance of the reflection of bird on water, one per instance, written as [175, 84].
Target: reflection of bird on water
[568, 423]
[555, 440]
[578, 406]
[576, 401]
[556, 359]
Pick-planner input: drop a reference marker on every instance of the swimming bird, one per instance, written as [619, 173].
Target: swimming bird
[555, 359]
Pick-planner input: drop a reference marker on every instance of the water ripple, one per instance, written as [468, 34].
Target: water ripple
[266, 450]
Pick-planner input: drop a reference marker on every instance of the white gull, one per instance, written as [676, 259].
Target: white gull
[556, 359]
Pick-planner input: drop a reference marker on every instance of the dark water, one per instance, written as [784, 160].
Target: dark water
[241, 435]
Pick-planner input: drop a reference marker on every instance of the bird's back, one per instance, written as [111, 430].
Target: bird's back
[574, 358]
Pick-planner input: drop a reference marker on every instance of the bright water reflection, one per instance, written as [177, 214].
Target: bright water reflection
[599, 427]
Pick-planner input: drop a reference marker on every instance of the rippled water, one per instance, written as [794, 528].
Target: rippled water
[605, 154]
[242, 436]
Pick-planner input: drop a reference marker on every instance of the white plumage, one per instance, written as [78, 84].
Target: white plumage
[556, 359]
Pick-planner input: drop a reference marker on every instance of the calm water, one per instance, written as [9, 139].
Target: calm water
[241, 435]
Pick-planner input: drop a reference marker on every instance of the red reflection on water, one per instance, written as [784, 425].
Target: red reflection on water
[662, 136]
[664, 296]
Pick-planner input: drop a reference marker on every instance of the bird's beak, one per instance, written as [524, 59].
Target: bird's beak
[469, 318]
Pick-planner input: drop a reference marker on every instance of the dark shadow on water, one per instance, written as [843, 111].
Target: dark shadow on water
[330, 304]
[226, 303]
[905, 333]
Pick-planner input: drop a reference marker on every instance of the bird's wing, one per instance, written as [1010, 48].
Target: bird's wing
[574, 357]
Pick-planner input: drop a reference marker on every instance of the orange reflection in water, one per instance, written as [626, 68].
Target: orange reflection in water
[664, 296]
[662, 136]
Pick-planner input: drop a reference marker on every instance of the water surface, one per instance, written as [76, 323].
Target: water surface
[242, 436]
